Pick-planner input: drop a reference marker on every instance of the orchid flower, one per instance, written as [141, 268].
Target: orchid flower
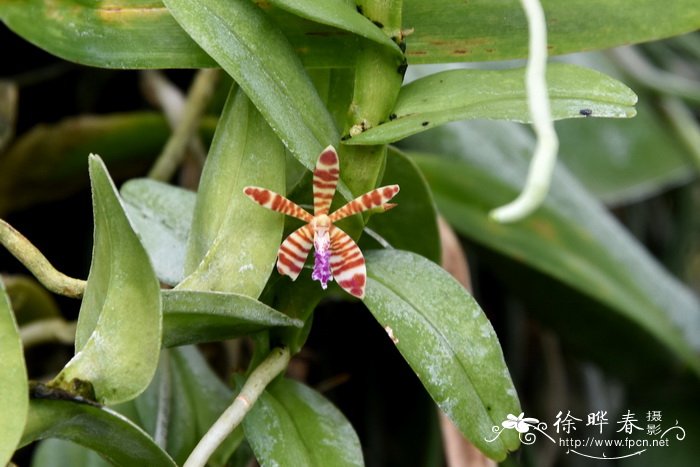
[336, 255]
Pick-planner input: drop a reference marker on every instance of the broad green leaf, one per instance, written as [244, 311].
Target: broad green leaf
[233, 242]
[448, 341]
[193, 317]
[119, 327]
[14, 398]
[485, 30]
[142, 34]
[498, 95]
[101, 429]
[245, 43]
[340, 14]
[293, 425]
[119, 34]
[571, 237]
[412, 225]
[162, 216]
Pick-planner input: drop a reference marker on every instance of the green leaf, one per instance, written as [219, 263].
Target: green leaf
[293, 425]
[192, 317]
[142, 34]
[14, 398]
[499, 95]
[119, 327]
[340, 14]
[121, 34]
[484, 30]
[412, 225]
[162, 216]
[233, 243]
[571, 237]
[243, 40]
[101, 429]
[448, 341]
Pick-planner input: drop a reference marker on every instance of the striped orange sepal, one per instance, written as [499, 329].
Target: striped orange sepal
[336, 255]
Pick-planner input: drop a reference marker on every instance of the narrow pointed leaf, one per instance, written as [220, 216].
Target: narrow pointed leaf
[498, 95]
[448, 341]
[14, 399]
[571, 237]
[103, 430]
[119, 326]
[293, 425]
[192, 317]
[340, 14]
[233, 242]
[162, 216]
[245, 43]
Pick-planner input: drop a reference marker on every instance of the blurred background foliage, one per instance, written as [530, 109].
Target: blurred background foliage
[566, 341]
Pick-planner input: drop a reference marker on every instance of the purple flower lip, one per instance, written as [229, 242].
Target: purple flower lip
[322, 259]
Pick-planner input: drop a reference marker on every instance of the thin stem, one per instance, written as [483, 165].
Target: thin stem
[638, 67]
[685, 124]
[46, 331]
[545, 157]
[164, 399]
[29, 255]
[273, 365]
[200, 92]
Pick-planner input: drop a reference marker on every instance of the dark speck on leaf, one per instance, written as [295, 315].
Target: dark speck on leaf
[425, 123]
[586, 112]
[392, 117]
[402, 46]
[378, 24]
[359, 9]
[345, 138]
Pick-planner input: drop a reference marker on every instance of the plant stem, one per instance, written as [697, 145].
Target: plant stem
[47, 330]
[545, 157]
[197, 99]
[29, 255]
[273, 365]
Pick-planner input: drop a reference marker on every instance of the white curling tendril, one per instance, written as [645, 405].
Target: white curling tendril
[540, 174]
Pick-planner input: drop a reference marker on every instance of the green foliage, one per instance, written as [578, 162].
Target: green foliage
[13, 381]
[121, 309]
[174, 265]
[294, 425]
[445, 337]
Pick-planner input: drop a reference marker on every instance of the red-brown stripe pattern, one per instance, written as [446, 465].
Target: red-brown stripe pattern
[271, 200]
[347, 263]
[369, 200]
[326, 176]
[294, 250]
